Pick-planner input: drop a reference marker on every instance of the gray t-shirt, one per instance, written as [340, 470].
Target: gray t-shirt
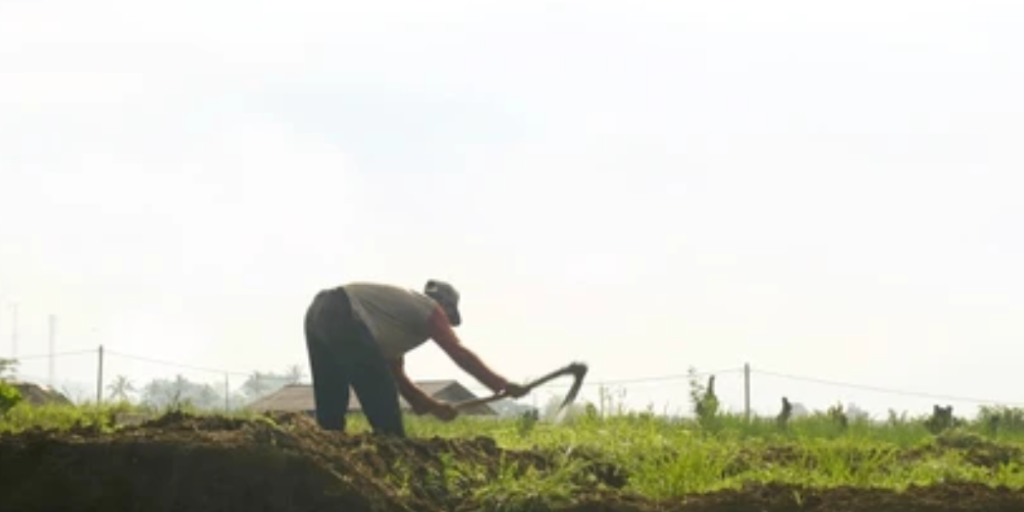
[397, 317]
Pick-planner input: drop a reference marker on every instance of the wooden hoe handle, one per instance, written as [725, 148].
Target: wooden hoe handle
[577, 370]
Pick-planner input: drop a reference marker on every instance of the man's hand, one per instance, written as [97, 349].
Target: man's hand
[443, 411]
[420, 408]
[515, 390]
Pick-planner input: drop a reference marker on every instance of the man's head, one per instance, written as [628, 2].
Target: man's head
[447, 297]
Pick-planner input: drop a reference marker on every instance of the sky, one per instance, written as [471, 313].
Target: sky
[818, 189]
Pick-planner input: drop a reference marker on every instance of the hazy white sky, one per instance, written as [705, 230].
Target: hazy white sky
[822, 189]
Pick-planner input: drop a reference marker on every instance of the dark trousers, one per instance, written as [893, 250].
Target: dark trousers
[343, 353]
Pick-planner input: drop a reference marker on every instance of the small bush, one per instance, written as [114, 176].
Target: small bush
[9, 397]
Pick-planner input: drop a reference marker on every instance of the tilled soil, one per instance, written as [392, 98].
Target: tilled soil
[286, 464]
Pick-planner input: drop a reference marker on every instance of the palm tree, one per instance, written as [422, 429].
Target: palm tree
[120, 388]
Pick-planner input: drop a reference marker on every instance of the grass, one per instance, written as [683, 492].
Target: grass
[668, 459]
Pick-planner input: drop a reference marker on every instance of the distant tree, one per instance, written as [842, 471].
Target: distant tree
[121, 389]
[942, 419]
[159, 393]
[855, 413]
[295, 374]
[897, 418]
[257, 385]
[799, 410]
[237, 400]
[837, 414]
[1000, 418]
[181, 392]
[75, 392]
[8, 368]
[260, 384]
[206, 396]
[179, 388]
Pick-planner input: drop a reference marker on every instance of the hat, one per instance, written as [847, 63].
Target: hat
[447, 296]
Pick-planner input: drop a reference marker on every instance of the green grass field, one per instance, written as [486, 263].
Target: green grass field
[479, 462]
[666, 459]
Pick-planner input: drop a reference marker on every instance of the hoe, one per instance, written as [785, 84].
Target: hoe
[577, 370]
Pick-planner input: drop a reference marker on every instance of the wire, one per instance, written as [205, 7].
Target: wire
[178, 365]
[890, 391]
[636, 380]
[55, 354]
[643, 380]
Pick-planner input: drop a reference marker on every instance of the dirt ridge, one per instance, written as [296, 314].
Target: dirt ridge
[180, 462]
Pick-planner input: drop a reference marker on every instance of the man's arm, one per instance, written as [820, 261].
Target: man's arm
[442, 333]
[420, 401]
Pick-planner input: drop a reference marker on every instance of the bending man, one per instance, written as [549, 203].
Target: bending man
[358, 334]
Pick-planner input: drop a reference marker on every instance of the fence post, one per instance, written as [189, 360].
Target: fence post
[227, 394]
[746, 390]
[99, 379]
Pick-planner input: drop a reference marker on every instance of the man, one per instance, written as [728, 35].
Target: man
[358, 334]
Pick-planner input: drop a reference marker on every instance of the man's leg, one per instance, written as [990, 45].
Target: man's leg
[329, 374]
[375, 385]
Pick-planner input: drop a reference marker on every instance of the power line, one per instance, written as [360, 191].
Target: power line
[889, 391]
[107, 351]
[644, 380]
[635, 380]
[178, 365]
[56, 354]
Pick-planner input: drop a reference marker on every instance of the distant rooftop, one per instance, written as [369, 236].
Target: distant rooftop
[299, 398]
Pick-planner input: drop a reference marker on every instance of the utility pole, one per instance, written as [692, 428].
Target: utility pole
[746, 391]
[14, 330]
[99, 379]
[53, 349]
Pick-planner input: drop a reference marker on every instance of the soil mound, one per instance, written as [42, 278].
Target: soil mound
[37, 394]
[286, 464]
